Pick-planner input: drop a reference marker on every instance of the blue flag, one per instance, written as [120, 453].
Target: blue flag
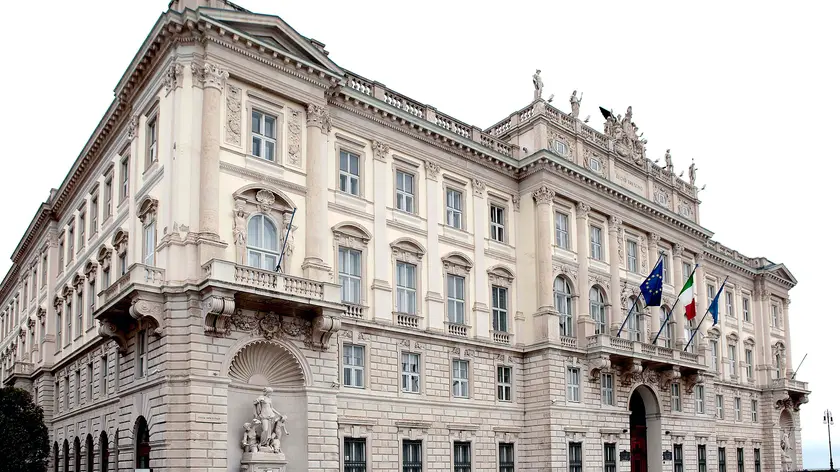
[652, 286]
[713, 307]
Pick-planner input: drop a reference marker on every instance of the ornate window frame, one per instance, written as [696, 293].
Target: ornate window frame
[120, 244]
[503, 204]
[353, 146]
[274, 204]
[409, 251]
[458, 264]
[147, 213]
[353, 236]
[401, 164]
[271, 108]
[502, 276]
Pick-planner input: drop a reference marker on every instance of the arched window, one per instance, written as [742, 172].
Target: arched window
[141, 444]
[77, 454]
[103, 451]
[634, 323]
[563, 304]
[667, 335]
[66, 452]
[55, 456]
[89, 453]
[598, 309]
[777, 365]
[263, 243]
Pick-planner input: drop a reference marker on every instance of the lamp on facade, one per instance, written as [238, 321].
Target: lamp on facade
[828, 420]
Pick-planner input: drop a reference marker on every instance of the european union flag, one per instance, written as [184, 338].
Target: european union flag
[713, 307]
[652, 286]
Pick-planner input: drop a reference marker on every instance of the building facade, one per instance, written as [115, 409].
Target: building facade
[448, 297]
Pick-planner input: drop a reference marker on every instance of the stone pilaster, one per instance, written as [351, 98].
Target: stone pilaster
[318, 125]
[678, 277]
[585, 324]
[382, 296]
[481, 313]
[547, 319]
[615, 316]
[653, 257]
[212, 78]
[434, 279]
[788, 354]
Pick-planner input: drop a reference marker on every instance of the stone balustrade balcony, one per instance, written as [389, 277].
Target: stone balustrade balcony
[20, 371]
[635, 361]
[788, 392]
[135, 297]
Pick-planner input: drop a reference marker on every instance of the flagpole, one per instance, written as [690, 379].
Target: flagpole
[668, 317]
[618, 335]
[694, 333]
[285, 240]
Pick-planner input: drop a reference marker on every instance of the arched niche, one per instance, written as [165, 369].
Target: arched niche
[644, 398]
[253, 366]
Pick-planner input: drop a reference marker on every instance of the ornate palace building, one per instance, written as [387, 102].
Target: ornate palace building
[446, 297]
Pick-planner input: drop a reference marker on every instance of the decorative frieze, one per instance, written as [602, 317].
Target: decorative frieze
[380, 150]
[294, 138]
[233, 119]
[174, 77]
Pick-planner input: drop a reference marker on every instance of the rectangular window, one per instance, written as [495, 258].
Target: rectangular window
[44, 271]
[349, 172]
[89, 397]
[122, 262]
[405, 192]
[124, 179]
[354, 366]
[701, 458]
[678, 458]
[454, 208]
[460, 379]
[506, 459]
[91, 302]
[462, 458]
[666, 267]
[500, 309]
[740, 457]
[66, 393]
[106, 277]
[350, 275]
[410, 372]
[595, 243]
[719, 406]
[406, 288]
[355, 455]
[103, 377]
[149, 243]
[699, 399]
[504, 383]
[263, 135]
[497, 223]
[748, 359]
[686, 270]
[607, 390]
[733, 370]
[746, 306]
[58, 329]
[721, 459]
[412, 456]
[774, 316]
[609, 457]
[109, 196]
[81, 242]
[737, 409]
[711, 291]
[69, 321]
[141, 353]
[573, 384]
[94, 214]
[713, 346]
[729, 304]
[757, 459]
[80, 311]
[575, 457]
[561, 230]
[71, 240]
[455, 303]
[754, 404]
[676, 401]
[78, 389]
[151, 139]
[632, 256]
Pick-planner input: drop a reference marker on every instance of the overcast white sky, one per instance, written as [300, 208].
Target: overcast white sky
[747, 89]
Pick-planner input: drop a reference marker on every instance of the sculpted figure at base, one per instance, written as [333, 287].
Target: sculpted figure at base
[265, 432]
[249, 439]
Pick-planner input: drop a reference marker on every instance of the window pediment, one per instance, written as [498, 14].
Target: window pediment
[407, 250]
[259, 197]
[120, 241]
[714, 333]
[351, 235]
[749, 342]
[457, 263]
[500, 275]
[90, 270]
[78, 281]
[732, 337]
[147, 210]
[67, 291]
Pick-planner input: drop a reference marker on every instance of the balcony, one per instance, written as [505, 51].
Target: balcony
[640, 362]
[228, 288]
[788, 393]
[133, 298]
[18, 374]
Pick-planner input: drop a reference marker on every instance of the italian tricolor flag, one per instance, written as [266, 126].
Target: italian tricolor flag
[687, 298]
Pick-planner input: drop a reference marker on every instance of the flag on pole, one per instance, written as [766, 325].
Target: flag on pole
[651, 288]
[687, 298]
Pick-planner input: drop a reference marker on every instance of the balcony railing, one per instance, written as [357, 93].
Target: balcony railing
[354, 311]
[407, 320]
[789, 384]
[501, 337]
[658, 354]
[266, 280]
[137, 274]
[457, 329]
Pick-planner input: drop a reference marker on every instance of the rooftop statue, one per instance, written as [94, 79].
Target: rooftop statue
[575, 101]
[669, 163]
[538, 85]
[692, 173]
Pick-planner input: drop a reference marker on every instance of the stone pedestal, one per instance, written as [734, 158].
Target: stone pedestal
[263, 462]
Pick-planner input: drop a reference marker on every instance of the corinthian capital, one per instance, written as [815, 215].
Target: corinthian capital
[615, 223]
[582, 210]
[316, 115]
[432, 170]
[654, 239]
[478, 187]
[209, 75]
[543, 195]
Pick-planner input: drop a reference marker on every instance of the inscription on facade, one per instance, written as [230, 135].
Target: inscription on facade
[628, 181]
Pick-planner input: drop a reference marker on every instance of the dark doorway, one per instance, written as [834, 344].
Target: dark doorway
[638, 433]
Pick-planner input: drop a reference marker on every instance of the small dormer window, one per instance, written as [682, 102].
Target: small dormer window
[595, 164]
[560, 147]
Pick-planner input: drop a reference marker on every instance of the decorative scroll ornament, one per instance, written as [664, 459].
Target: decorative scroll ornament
[316, 115]
[515, 200]
[432, 170]
[380, 150]
[597, 365]
[233, 121]
[582, 210]
[294, 138]
[217, 311]
[265, 199]
[132, 127]
[478, 187]
[174, 77]
[543, 195]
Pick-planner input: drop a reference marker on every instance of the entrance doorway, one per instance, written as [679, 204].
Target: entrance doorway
[645, 431]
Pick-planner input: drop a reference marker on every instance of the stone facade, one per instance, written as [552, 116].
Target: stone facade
[440, 283]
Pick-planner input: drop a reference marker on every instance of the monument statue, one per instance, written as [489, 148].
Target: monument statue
[787, 461]
[538, 85]
[240, 218]
[265, 413]
[692, 173]
[261, 441]
[575, 101]
[249, 439]
[669, 164]
[629, 143]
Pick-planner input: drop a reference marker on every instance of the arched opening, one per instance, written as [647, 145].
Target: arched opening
[263, 242]
[103, 451]
[66, 452]
[563, 304]
[141, 444]
[667, 335]
[635, 323]
[77, 455]
[55, 456]
[598, 309]
[645, 431]
[89, 453]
